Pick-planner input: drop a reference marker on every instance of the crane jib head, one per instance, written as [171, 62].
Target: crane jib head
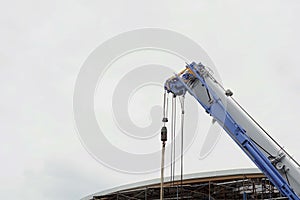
[175, 86]
[181, 82]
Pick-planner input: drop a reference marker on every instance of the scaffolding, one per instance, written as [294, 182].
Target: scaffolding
[234, 186]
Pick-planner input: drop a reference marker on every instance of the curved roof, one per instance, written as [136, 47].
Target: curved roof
[221, 174]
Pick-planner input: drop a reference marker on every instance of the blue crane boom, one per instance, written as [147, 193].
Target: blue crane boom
[263, 150]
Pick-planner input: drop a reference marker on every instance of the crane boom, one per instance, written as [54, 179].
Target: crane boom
[256, 143]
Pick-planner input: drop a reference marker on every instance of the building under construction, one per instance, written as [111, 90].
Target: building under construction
[225, 184]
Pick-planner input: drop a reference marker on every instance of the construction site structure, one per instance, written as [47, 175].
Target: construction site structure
[226, 184]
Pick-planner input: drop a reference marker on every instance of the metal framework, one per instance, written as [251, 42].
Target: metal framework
[242, 186]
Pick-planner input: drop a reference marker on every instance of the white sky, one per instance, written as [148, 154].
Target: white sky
[254, 45]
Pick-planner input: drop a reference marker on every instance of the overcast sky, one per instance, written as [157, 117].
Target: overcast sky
[254, 45]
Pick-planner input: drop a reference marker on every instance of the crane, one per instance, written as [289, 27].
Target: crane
[266, 153]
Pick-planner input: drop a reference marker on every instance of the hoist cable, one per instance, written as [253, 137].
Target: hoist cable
[174, 137]
[167, 105]
[181, 156]
[162, 171]
[172, 127]
[164, 107]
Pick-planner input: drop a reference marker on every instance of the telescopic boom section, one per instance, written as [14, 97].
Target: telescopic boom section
[263, 150]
